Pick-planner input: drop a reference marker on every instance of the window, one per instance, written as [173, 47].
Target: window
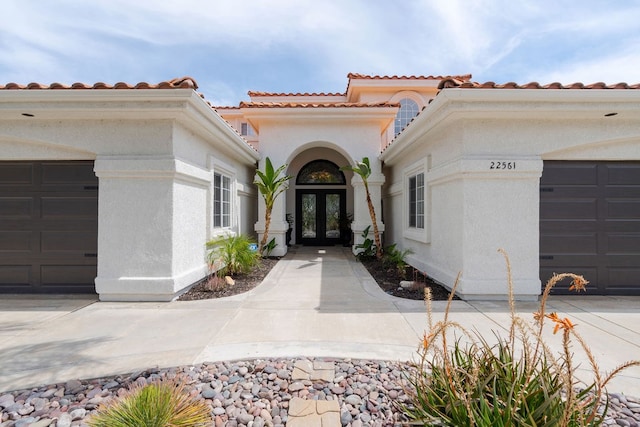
[246, 129]
[320, 172]
[416, 201]
[221, 200]
[408, 110]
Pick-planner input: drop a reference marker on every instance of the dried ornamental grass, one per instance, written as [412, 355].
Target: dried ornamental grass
[519, 381]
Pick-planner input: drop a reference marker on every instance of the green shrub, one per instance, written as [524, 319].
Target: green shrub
[232, 255]
[519, 381]
[160, 404]
[269, 247]
[394, 257]
[367, 249]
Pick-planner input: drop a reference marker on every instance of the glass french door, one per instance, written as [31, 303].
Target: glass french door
[318, 214]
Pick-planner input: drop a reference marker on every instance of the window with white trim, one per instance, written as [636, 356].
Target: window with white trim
[246, 129]
[408, 110]
[416, 201]
[221, 200]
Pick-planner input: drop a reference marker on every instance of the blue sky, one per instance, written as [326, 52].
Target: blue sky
[232, 46]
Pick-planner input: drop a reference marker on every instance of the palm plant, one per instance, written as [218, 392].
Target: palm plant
[270, 184]
[363, 169]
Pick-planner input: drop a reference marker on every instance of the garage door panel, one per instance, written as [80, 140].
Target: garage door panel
[577, 174]
[611, 225]
[80, 242]
[623, 280]
[566, 226]
[623, 244]
[15, 241]
[67, 173]
[623, 209]
[19, 275]
[583, 244]
[569, 209]
[78, 275]
[622, 174]
[69, 207]
[48, 226]
[15, 175]
[16, 207]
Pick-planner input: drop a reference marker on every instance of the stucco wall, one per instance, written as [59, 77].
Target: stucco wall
[291, 141]
[474, 208]
[154, 157]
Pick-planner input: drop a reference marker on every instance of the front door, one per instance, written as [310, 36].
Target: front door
[318, 214]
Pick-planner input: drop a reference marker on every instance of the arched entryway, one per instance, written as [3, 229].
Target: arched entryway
[319, 201]
[321, 209]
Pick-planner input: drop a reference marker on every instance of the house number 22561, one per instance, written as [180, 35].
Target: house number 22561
[502, 165]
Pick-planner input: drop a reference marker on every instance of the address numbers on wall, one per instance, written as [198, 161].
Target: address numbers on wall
[500, 165]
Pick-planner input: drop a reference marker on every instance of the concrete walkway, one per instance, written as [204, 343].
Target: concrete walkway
[315, 302]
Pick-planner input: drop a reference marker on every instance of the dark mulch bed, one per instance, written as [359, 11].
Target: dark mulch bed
[389, 279]
[243, 283]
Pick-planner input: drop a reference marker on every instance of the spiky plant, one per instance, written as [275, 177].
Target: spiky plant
[233, 254]
[519, 381]
[164, 403]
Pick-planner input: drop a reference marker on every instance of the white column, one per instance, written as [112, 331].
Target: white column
[500, 211]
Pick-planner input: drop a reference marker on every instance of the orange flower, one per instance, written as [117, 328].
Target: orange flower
[426, 340]
[578, 284]
[565, 323]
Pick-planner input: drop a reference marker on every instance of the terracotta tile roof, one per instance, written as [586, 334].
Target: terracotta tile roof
[317, 104]
[465, 77]
[179, 83]
[256, 93]
[453, 83]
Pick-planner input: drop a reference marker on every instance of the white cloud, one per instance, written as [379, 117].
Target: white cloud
[312, 45]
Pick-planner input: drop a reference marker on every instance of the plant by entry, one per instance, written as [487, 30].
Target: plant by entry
[270, 183]
[367, 249]
[363, 169]
[229, 255]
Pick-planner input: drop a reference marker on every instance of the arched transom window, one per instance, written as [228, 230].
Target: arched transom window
[320, 172]
[408, 110]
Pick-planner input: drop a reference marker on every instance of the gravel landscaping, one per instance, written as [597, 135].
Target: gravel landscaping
[253, 393]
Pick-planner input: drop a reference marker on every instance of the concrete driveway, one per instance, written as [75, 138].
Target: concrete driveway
[315, 302]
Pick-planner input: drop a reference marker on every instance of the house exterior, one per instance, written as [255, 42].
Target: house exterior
[122, 185]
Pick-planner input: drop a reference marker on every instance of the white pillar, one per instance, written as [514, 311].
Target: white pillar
[500, 211]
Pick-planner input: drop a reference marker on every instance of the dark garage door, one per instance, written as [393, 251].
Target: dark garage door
[48, 226]
[590, 224]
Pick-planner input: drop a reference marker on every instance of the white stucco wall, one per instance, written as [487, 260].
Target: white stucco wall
[154, 153]
[473, 209]
[287, 134]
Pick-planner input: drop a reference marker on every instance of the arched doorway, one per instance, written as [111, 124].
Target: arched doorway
[321, 204]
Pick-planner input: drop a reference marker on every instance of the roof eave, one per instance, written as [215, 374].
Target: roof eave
[521, 104]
